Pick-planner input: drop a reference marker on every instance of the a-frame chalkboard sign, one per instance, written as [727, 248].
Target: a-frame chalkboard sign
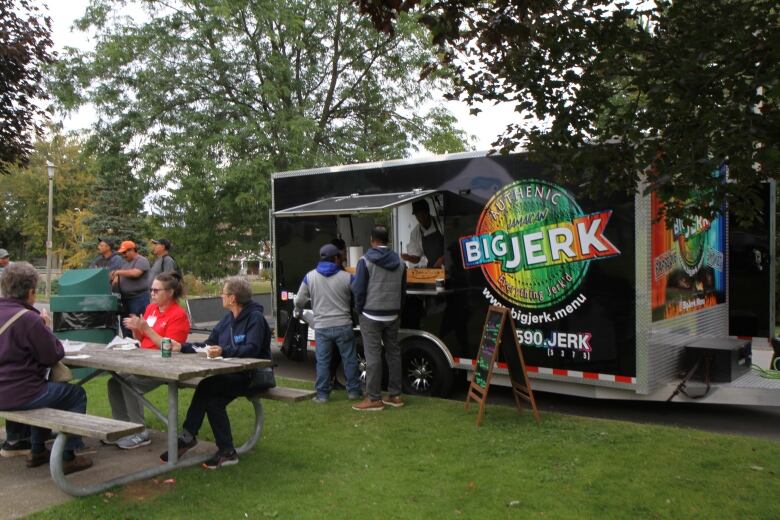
[500, 330]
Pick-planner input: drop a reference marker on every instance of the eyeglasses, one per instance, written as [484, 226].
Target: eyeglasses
[155, 290]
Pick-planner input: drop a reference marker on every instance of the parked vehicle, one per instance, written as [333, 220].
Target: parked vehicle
[605, 299]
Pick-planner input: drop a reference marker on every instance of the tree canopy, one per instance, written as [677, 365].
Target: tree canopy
[25, 39]
[615, 94]
[205, 99]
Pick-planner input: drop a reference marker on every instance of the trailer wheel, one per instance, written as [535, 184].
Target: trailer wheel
[425, 369]
[361, 359]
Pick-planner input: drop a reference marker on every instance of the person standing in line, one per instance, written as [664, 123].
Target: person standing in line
[107, 257]
[132, 281]
[379, 287]
[328, 288]
[164, 262]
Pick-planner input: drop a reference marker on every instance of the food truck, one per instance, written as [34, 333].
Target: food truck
[608, 301]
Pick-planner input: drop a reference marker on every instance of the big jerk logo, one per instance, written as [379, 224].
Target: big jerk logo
[534, 243]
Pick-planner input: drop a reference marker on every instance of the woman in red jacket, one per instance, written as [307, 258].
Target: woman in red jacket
[163, 318]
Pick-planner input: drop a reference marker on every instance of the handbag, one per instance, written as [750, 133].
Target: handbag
[295, 340]
[60, 373]
[262, 379]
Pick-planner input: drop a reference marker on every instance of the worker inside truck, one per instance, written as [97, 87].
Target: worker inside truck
[426, 241]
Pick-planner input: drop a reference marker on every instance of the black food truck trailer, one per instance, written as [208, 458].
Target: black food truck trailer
[608, 301]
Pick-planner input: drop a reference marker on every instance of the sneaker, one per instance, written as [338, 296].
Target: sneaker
[16, 449]
[354, 396]
[38, 459]
[394, 401]
[136, 440]
[222, 458]
[369, 405]
[79, 463]
[320, 400]
[183, 447]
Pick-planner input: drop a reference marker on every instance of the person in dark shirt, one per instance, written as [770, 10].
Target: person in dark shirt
[28, 350]
[107, 258]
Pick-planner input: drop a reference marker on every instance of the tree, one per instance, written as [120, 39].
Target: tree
[24, 197]
[615, 93]
[25, 39]
[214, 96]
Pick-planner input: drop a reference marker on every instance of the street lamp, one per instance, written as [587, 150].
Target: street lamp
[50, 168]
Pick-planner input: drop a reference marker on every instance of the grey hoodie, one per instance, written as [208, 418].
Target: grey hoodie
[327, 287]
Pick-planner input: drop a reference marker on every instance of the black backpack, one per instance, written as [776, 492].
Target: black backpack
[176, 271]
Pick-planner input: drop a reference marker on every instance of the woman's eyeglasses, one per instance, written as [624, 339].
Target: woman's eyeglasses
[155, 290]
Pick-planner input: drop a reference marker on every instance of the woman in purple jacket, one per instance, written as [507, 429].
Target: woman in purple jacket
[28, 349]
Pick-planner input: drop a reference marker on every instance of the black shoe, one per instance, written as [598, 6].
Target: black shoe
[183, 447]
[222, 458]
[38, 459]
[16, 449]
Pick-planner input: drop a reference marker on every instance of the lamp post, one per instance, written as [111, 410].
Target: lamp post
[50, 168]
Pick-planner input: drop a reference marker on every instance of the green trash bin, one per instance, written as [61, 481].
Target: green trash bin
[85, 308]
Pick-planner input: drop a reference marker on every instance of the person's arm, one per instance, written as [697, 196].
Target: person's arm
[359, 285]
[302, 297]
[44, 345]
[414, 251]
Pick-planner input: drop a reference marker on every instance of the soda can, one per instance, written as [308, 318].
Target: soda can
[165, 348]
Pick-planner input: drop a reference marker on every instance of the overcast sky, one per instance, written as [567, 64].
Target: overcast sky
[486, 126]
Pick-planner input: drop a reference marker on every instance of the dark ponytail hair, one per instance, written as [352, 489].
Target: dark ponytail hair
[171, 281]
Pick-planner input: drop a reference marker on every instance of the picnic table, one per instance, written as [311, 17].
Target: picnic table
[175, 371]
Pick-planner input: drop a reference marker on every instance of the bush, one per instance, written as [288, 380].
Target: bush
[193, 285]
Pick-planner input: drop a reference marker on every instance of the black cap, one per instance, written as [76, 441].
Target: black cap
[421, 205]
[108, 241]
[329, 252]
[165, 243]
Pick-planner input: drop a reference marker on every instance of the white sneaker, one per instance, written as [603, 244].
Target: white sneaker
[136, 440]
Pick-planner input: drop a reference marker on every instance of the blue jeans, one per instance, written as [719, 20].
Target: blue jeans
[212, 395]
[61, 396]
[343, 338]
[15, 432]
[135, 305]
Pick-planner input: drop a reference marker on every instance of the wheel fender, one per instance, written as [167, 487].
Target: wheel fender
[404, 335]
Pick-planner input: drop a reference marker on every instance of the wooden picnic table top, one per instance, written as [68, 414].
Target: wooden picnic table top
[145, 362]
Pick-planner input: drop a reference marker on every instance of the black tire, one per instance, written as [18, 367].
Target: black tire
[425, 369]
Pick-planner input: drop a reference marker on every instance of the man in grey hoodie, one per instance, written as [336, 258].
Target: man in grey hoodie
[378, 287]
[328, 288]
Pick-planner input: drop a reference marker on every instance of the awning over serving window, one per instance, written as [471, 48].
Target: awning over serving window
[351, 204]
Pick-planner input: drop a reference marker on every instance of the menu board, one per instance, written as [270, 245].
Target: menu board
[498, 332]
[491, 335]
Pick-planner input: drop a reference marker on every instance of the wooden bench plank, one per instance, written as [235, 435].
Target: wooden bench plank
[277, 393]
[74, 423]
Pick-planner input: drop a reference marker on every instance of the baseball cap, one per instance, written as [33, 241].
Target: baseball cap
[107, 240]
[420, 205]
[329, 251]
[124, 246]
[164, 242]
[4, 253]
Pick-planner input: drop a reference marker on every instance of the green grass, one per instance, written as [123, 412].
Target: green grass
[429, 460]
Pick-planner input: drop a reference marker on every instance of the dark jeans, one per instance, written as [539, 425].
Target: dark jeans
[376, 336]
[211, 398]
[62, 396]
[135, 305]
[15, 432]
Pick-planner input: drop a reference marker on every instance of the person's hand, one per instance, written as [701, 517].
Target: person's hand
[297, 313]
[134, 322]
[46, 318]
[175, 346]
[213, 351]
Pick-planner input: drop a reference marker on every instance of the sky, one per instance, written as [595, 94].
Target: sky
[485, 127]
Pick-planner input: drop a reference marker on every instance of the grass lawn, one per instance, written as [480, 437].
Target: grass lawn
[428, 460]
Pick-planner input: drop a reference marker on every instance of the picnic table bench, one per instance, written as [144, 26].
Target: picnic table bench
[70, 423]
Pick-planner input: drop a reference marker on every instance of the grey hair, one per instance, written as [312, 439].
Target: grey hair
[18, 279]
[239, 287]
